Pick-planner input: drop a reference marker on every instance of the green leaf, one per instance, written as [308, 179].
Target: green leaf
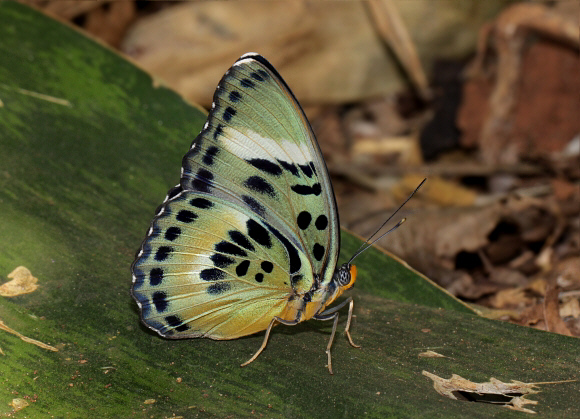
[89, 147]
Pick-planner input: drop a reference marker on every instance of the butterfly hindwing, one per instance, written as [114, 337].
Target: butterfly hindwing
[204, 260]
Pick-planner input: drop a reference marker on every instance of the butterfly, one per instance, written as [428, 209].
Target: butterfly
[249, 238]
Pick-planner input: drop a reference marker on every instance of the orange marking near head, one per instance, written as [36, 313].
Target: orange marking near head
[352, 278]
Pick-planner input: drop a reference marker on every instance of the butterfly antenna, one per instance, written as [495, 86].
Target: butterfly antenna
[368, 243]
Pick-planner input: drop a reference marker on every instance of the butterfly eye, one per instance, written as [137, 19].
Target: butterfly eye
[343, 275]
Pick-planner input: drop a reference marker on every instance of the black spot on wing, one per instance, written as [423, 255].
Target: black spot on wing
[218, 131]
[303, 220]
[155, 276]
[321, 222]
[318, 251]
[267, 266]
[247, 83]
[240, 239]
[202, 181]
[259, 277]
[212, 274]
[259, 233]
[306, 169]
[266, 166]
[235, 96]
[313, 167]
[172, 233]
[210, 153]
[307, 190]
[185, 216]
[176, 323]
[160, 301]
[295, 280]
[242, 268]
[221, 261]
[229, 114]
[201, 203]
[254, 205]
[260, 185]
[264, 74]
[163, 253]
[256, 76]
[291, 167]
[295, 262]
[230, 249]
[218, 288]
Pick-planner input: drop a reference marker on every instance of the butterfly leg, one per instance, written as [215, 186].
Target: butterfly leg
[348, 320]
[324, 316]
[333, 314]
[267, 336]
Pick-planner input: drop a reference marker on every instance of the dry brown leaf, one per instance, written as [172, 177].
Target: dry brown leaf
[468, 231]
[327, 54]
[18, 404]
[432, 244]
[306, 42]
[515, 127]
[511, 297]
[22, 283]
[393, 29]
[443, 233]
[110, 24]
[458, 388]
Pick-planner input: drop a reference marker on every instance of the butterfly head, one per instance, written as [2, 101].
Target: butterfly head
[345, 276]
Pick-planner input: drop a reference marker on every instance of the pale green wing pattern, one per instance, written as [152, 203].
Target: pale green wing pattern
[253, 222]
[258, 150]
[212, 269]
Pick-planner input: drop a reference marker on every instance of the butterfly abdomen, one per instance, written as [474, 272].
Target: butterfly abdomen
[342, 280]
[318, 298]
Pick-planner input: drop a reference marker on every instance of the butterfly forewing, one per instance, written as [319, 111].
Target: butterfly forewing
[252, 222]
[258, 149]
